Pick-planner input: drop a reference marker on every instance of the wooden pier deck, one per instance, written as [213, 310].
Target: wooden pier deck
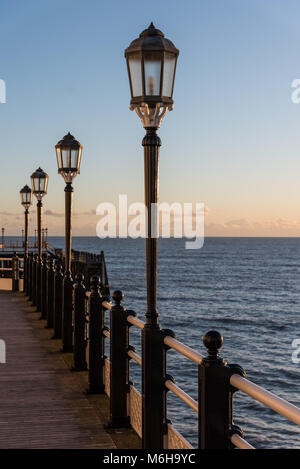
[42, 403]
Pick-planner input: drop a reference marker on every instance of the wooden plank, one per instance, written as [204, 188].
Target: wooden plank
[42, 403]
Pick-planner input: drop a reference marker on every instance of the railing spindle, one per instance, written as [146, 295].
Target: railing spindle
[96, 340]
[215, 397]
[119, 363]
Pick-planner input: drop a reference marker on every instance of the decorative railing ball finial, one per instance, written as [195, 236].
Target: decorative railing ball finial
[213, 341]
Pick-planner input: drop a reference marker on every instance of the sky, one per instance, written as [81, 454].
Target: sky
[231, 142]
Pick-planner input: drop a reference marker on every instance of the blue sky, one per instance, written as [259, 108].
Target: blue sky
[232, 140]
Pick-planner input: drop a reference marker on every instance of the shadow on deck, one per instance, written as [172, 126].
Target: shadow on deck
[43, 404]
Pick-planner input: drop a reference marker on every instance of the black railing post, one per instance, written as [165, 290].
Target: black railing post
[38, 284]
[79, 325]
[29, 281]
[153, 387]
[119, 363]
[215, 396]
[15, 273]
[67, 318]
[96, 339]
[33, 278]
[44, 288]
[25, 274]
[58, 299]
[50, 293]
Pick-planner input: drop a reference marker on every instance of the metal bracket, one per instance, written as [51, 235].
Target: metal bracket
[129, 312]
[151, 116]
[168, 333]
[168, 378]
[238, 370]
[235, 430]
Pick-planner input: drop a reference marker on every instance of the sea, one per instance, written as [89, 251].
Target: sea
[248, 289]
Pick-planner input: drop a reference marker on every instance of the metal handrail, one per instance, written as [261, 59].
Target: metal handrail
[258, 393]
[135, 357]
[188, 352]
[136, 322]
[239, 442]
[281, 406]
[182, 395]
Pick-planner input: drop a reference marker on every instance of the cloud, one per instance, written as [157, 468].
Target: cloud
[83, 214]
[246, 227]
[52, 213]
[9, 214]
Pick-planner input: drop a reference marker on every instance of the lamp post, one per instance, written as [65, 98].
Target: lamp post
[68, 153]
[2, 230]
[26, 201]
[151, 63]
[39, 181]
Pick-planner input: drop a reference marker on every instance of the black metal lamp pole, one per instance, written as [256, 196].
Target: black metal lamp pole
[26, 201]
[67, 331]
[39, 265]
[151, 63]
[68, 153]
[39, 180]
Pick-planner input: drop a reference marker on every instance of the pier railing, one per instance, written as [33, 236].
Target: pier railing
[145, 412]
[11, 271]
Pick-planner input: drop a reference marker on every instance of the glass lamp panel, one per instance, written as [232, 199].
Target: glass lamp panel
[27, 197]
[36, 184]
[45, 184]
[41, 184]
[59, 160]
[79, 158]
[169, 71]
[152, 66]
[66, 158]
[75, 158]
[135, 70]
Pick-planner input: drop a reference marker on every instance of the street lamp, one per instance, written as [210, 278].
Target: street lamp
[39, 182]
[26, 201]
[151, 63]
[68, 153]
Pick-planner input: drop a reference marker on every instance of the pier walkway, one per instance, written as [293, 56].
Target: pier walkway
[43, 404]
